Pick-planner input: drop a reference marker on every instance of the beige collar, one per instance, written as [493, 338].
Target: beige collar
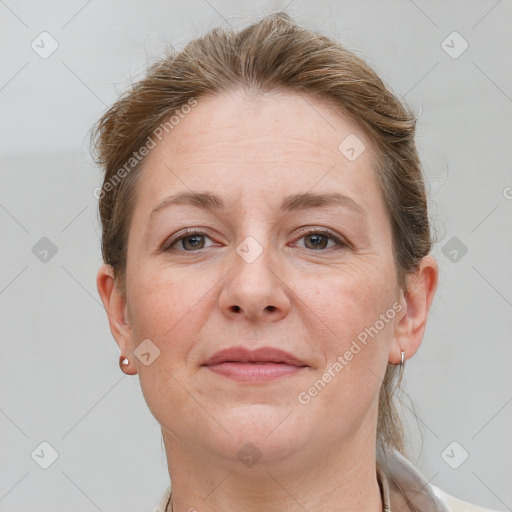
[382, 479]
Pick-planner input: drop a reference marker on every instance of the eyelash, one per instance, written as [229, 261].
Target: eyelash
[189, 233]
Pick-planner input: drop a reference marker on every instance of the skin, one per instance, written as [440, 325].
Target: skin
[253, 151]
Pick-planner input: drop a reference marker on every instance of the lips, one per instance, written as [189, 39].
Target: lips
[263, 355]
[254, 367]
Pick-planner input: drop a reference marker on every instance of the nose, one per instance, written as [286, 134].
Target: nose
[254, 290]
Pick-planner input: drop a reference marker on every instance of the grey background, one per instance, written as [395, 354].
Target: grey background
[59, 375]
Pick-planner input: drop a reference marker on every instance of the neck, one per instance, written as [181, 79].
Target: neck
[339, 478]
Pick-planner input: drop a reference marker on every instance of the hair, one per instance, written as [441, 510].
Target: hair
[274, 54]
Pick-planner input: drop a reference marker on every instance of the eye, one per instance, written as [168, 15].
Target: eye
[192, 240]
[319, 239]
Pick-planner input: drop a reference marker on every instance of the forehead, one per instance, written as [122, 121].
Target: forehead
[279, 121]
[274, 144]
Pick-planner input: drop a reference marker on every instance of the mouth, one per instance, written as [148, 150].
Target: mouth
[261, 365]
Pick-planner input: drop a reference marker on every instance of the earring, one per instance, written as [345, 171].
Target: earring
[402, 366]
[123, 361]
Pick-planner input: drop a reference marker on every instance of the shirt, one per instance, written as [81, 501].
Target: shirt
[399, 474]
[395, 474]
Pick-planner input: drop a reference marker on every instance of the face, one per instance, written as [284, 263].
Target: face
[268, 264]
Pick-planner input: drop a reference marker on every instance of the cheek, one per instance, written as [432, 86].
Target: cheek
[165, 311]
[350, 301]
[346, 309]
[163, 300]
[354, 342]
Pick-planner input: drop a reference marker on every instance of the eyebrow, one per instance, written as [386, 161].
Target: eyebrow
[209, 201]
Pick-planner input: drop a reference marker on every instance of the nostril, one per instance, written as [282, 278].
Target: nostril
[238, 308]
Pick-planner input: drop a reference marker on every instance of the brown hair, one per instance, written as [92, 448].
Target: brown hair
[274, 54]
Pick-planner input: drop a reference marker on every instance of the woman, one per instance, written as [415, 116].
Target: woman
[267, 271]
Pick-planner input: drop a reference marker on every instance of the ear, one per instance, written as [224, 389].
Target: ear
[117, 311]
[409, 330]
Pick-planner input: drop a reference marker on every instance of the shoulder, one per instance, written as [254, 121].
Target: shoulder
[455, 504]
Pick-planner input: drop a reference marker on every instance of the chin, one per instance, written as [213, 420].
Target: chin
[260, 431]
